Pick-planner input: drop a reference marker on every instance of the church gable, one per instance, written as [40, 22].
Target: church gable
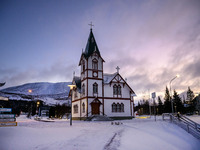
[116, 78]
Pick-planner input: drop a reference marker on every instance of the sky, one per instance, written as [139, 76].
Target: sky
[150, 40]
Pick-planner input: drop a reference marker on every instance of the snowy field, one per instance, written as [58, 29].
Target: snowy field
[140, 134]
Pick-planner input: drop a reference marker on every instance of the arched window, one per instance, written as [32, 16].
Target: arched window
[119, 90]
[114, 107]
[122, 107]
[83, 107]
[115, 89]
[75, 109]
[118, 107]
[95, 88]
[83, 89]
[95, 64]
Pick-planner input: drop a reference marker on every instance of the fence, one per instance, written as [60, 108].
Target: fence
[184, 122]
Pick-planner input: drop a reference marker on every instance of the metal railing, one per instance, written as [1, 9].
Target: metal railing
[184, 122]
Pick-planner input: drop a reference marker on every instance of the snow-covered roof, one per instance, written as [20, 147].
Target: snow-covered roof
[108, 77]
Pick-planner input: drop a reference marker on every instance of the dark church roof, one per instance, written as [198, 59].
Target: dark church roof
[78, 83]
[91, 46]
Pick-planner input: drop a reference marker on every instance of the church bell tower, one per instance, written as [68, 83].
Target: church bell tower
[91, 64]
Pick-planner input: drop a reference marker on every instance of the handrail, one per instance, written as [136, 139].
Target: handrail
[189, 125]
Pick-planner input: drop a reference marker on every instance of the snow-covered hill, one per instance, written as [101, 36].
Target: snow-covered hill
[50, 93]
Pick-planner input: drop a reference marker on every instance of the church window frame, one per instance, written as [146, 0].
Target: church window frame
[113, 107]
[75, 109]
[95, 64]
[95, 88]
[122, 107]
[119, 90]
[115, 89]
[83, 107]
[117, 108]
[83, 89]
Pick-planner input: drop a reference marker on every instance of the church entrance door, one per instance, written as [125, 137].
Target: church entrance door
[95, 107]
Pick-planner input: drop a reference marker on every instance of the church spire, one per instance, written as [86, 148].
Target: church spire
[91, 46]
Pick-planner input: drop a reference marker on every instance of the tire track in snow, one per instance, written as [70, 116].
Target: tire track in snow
[114, 142]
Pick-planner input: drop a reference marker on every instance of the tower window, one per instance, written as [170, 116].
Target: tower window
[95, 64]
[75, 109]
[83, 89]
[95, 88]
[83, 107]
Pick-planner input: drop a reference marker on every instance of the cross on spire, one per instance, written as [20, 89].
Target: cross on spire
[118, 69]
[91, 25]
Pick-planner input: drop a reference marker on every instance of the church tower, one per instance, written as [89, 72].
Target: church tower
[91, 64]
[90, 100]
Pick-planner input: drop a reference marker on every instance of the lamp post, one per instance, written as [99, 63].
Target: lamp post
[177, 76]
[72, 86]
[30, 110]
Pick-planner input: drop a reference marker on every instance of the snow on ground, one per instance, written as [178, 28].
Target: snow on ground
[195, 118]
[131, 134]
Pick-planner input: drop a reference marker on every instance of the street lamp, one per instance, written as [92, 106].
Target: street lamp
[30, 109]
[177, 76]
[72, 86]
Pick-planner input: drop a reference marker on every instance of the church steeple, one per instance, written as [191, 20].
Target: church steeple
[91, 46]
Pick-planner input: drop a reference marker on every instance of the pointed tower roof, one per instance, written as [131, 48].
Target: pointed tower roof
[91, 46]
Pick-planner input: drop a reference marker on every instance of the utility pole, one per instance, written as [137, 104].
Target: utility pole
[149, 103]
[154, 96]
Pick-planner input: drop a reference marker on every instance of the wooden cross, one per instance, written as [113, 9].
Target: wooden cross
[91, 25]
[118, 69]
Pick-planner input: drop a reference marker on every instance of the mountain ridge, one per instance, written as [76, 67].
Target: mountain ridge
[49, 93]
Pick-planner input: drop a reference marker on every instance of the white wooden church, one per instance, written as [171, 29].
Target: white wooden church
[99, 93]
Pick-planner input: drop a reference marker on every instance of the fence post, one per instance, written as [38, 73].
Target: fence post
[195, 126]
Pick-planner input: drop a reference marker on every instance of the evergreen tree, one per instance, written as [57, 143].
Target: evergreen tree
[190, 97]
[177, 102]
[167, 102]
[160, 106]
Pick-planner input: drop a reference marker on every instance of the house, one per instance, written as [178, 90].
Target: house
[99, 93]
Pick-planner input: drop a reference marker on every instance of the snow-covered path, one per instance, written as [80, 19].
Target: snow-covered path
[132, 134]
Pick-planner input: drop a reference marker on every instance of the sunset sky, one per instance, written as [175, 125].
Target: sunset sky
[150, 40]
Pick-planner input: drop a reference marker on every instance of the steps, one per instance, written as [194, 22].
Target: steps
[98, 118]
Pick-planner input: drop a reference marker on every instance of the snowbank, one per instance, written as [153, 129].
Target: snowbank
[130, 134]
